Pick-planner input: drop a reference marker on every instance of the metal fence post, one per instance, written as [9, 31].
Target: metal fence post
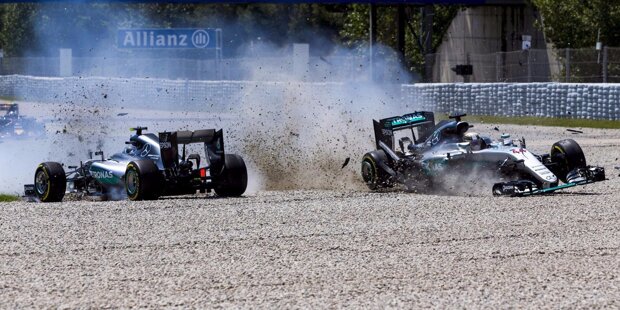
[186, 90]
[529, 66]
[498, 67]
[466, 78]
[567, 64]
[605, 61]
[429, 62]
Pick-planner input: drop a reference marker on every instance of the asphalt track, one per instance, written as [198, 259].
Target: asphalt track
[325, 248]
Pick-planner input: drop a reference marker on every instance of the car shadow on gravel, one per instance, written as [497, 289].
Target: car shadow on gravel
[575, 194]
[196, 197]
[448, 193]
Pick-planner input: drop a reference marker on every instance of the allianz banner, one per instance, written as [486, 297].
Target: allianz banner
[167, 38]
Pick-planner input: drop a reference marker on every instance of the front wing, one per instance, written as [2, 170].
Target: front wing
[577, 177]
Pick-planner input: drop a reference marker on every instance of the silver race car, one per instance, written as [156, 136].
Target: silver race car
[149, 167]
[427, 151]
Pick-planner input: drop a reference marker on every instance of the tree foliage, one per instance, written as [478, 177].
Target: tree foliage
[575, 23]
[355, 30]
[41, 28]
[16, 22]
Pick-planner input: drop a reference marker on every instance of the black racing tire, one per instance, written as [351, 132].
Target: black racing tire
[498, 189]
[375, 177]
[142, 180]
[233, 180]
[566, 155]
[50, 182]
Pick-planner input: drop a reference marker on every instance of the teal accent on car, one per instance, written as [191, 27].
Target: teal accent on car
[434, 167]
[104, 176]
[408, 120]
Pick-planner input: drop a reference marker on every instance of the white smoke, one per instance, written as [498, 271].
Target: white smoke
[292, 134]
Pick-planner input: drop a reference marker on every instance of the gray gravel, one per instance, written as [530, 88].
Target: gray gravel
[322, 248]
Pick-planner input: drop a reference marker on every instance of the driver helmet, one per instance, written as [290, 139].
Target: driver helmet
[474, 140]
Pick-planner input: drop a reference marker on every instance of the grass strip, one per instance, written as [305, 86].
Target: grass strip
[541, 121]
[8, 198]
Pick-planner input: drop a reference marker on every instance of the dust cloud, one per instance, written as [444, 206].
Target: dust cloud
[293, 134]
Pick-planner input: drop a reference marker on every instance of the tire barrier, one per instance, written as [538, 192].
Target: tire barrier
[567, 100]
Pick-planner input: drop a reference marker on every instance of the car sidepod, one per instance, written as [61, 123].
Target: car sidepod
[108, 173]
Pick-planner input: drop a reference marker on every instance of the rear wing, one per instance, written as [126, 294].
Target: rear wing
[212, 139]
[384, 128]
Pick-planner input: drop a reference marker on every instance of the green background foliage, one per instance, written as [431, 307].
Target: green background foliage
[575, 23]
[39, 29]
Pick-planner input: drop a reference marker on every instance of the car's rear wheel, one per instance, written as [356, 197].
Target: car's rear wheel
[373, 175]
[142, 180]
[233, 180]
[50, 182]
[566, 155]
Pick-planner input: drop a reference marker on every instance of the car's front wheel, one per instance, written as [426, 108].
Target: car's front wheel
[50, 182]
[566, 155]
[142, 180]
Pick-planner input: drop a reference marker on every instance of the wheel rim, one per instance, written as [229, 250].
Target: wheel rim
[559, 157]
[131, 182]
[41, 182]
[497, 190]
[368, 172]
[557, 154]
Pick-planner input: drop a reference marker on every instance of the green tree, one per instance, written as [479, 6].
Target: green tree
[42, 28]
[575, 23]
[16, 31]
[355, 30]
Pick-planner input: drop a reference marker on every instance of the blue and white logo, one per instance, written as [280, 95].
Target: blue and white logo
[200, 38]
[166, 38]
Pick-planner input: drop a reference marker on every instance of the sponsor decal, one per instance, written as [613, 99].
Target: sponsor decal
[435, 138]
[434, 166]
[102, 174]
[517, 151]
[166, 38]
[386, 132]
[165, 145]
[409, 119]
[200, 38]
